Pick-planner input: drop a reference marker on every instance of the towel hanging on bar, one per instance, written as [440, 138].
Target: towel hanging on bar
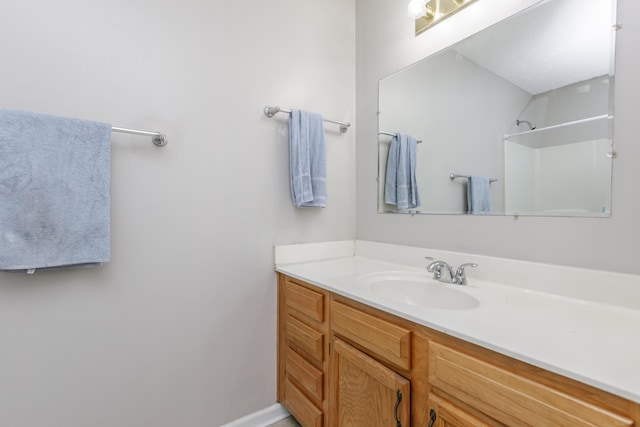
[272, 111]
[54, 191]
[307, 160]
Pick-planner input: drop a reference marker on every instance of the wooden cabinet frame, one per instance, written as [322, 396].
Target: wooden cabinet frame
[411, 351]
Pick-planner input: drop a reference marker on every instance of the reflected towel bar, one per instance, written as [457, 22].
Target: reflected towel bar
[419, 141]
[159, 139]
[272, 111]
[453, 176]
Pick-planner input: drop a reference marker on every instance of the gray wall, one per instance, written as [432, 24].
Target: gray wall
[385, 43]
[179, 328]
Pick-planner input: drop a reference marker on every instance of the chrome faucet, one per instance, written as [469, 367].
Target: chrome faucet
[436, 268]
[458, 278]
[461, 277]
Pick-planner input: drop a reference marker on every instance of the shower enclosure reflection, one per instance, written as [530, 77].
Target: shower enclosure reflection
[527, 101]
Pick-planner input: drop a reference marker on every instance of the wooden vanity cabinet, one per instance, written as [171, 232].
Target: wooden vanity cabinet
[303, 351]
[511, 395]
[371, 363]
[365, 392]
[345, 364]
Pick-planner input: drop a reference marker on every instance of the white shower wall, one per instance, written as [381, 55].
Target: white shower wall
[569, 179]
[179, 328]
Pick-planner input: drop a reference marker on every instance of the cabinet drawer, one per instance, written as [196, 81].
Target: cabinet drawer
[509, 397]
[305, 340]
[309, 377]
[303, 410]
[384, 339]
[306, 301]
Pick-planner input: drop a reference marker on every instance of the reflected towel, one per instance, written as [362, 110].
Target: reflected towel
[54, 191]
[478, 197]
[307, 160]
[401, 188]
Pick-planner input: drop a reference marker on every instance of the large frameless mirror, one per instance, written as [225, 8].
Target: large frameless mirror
[517, 119]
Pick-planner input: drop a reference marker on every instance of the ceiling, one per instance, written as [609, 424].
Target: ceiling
[564, 41]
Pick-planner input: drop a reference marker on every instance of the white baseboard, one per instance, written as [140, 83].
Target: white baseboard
[261, 418]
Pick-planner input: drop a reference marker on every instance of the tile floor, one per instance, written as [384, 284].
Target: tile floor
[287, 422]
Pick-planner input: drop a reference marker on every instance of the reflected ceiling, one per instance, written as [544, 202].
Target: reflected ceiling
[518, 46]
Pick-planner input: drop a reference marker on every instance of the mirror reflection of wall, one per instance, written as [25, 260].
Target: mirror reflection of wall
[535, 69]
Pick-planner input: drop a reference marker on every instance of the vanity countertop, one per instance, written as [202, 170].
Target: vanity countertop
[597, 344]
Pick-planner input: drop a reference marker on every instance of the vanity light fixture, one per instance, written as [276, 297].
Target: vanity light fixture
[418, 8]
[427, 13]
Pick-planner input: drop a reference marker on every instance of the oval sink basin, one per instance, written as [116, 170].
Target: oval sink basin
[418, 290]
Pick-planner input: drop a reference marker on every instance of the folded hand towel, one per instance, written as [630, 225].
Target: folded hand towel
[54, 191]
[401, 187]
[478, 196]
[307, 159]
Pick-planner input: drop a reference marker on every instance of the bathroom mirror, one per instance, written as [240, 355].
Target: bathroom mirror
[526, 104]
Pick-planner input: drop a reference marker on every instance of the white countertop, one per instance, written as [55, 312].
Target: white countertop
[594, 343]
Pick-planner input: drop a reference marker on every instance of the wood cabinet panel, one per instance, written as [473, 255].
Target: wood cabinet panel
[308, 376]
[302, 409]
[384, 339]
[447, 414]
[303, 351]
[367, 393]
[304, 339]
[304, 300]
[508, 397]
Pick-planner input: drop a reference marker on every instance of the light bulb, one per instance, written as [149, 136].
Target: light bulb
[417, 8]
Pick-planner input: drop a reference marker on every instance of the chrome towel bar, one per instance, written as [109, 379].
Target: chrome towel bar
[272, 111]
[453, 176]
[159, 139]
[419, 141]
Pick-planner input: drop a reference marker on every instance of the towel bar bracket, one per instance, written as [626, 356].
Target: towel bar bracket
[160, 140]
[271, 111]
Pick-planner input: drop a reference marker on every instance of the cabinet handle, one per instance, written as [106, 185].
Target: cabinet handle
[395, 410]
[432, 417]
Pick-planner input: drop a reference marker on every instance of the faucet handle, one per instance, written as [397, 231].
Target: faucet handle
[461, 277]
[434, 267]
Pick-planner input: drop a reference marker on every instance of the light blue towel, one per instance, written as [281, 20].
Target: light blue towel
[401, 187]
[478, 196]
[307, 160]
[54, 191]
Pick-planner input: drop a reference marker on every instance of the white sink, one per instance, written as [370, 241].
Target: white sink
[417, 289]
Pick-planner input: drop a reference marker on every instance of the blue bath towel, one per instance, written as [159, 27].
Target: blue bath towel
[401, 187]
[478, 196]
[54, 191]
[307, 160]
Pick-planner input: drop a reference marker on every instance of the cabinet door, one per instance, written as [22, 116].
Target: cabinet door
[443, 413]
[367, 393]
